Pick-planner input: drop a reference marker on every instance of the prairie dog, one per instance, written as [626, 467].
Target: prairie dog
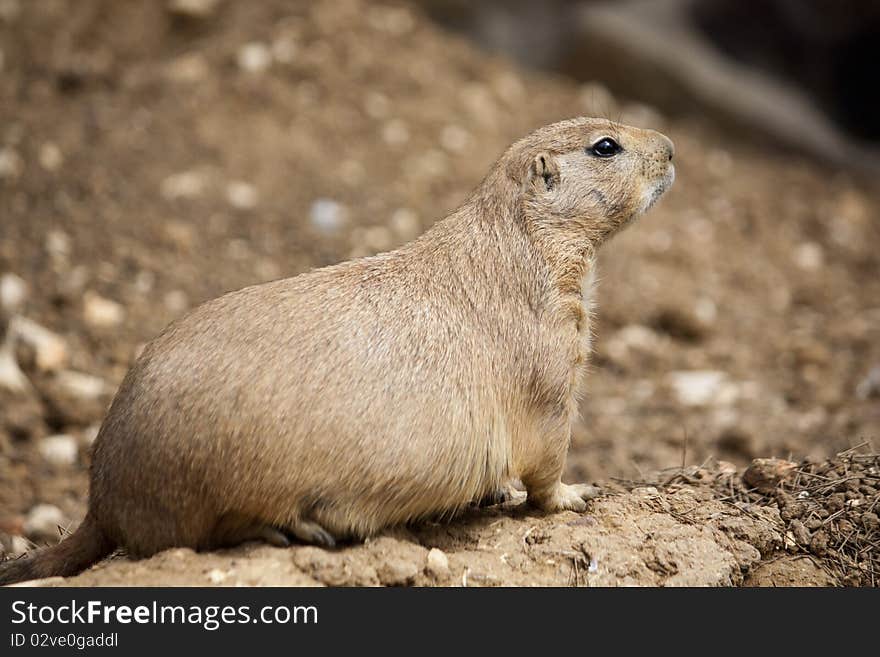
[381, 390]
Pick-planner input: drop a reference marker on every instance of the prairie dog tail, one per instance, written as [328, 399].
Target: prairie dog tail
[74, 554]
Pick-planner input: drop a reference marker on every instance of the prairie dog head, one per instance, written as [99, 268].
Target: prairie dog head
[590, 177]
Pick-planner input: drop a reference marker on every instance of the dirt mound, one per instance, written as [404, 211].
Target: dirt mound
[643, 538]
[151, 160]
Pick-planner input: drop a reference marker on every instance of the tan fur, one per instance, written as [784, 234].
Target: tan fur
[385, 389]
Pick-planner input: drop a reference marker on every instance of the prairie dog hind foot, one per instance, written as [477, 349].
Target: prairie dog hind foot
[506, 494]
[565, 497]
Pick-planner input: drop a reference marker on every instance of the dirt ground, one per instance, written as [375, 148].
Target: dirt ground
[152, 159]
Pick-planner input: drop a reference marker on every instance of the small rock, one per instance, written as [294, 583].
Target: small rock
[397, 572]
[438, 563]
[100, 312]
[835, 502]
[11, 164]
[254, 57]
[200, 9]
[176, 301]
[813, 524]
[11, 376]
[60, 450]
[81, 386]
[242, 195]
[50, 156]
[46, 350]
[405, 223]
[89, 434]
[767, 474]
[698, 387]
[809, 256]
[18, 546]
[42, 522]
[630, 340]
[13, 292]
[819, 543]
[800, 532]
[706, 311]
[871, 521]
[328, 215]
[217, 576]
[58, 244]
[183, 185]
[74, 398]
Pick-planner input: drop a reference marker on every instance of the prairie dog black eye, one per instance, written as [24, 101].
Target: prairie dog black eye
[605, 147]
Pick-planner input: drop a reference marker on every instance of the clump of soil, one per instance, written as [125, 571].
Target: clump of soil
[829, 511]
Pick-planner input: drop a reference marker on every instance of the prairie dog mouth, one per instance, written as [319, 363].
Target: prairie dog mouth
[659, 188]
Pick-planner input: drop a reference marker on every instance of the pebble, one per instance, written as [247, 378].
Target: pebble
[809, 256]
[702, 387]
[58, 244]
[176, 301]
[13, 292]
[18, 546]
[183, 185]
[42, 522]
[438, 563]
[217, 576]
[328, 215]
[60, 450]
[405, 223]
[100, 312]
[50, 156]
[193, 8]
[242, 195]
[81, 385]
[800, 532]
[633, 337]
[767, 474]
[90, 433]
[50, 351]
[254, 57]
[11, 376]
[11, 164]
[706, 311]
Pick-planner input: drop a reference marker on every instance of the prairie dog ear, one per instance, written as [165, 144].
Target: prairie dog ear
[544, 170]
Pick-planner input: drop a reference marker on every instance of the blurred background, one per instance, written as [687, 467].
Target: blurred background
[157, 153]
